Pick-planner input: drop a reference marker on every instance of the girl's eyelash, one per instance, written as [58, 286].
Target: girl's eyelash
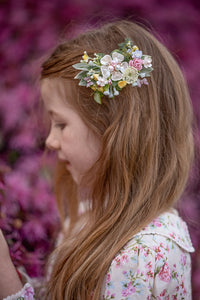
[60, 125]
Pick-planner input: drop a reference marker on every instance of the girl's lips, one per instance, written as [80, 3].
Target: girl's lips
[61, 158]
[67, 164]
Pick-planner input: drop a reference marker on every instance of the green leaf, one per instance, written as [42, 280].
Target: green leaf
[81, 75]
[115, 83]
[97, 97]
[82, 82]
[81, 66]
[91, 64]
[123, 45]
[146, 70]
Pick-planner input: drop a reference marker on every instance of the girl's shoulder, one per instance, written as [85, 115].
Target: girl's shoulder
[167, 233]
[154, 263]
[168, 227]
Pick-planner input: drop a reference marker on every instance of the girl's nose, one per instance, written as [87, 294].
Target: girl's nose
[52, 143]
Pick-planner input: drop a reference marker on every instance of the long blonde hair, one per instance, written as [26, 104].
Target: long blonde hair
[147, 149]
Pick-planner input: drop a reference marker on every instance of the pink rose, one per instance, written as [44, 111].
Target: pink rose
[136, 63]
[165, 273]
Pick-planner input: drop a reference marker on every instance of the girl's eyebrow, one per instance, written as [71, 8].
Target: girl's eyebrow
[54, 113]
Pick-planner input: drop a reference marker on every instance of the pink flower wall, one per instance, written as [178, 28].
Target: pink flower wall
[27, 30]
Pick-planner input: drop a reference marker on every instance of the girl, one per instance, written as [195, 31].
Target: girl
[121, 124]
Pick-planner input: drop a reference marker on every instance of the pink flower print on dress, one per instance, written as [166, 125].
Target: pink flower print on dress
[129, 290]
[117, 262]
[159, 255]
[156, 223]
[125, 258]
[29, 293]
[147, 252]
[149, 274]
[148, 265]
[109, 295]
[163, 292]
[173, 235]
[165, 273]
[183, 259]
[167, 248]
[136, 63]
[108, 278]
[182, 285]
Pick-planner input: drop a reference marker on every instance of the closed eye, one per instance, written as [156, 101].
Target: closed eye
[60, 125]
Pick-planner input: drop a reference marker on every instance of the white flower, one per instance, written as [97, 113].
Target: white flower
[116, 57]
[116, 93]
[102, 81]
[113, 66]
[130, 75]
[147, 62]
[106, 93]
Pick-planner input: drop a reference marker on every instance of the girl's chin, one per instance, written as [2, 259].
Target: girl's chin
[75, 176]
[76, 179]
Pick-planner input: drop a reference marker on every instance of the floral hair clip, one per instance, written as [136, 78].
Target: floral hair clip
[109, 74]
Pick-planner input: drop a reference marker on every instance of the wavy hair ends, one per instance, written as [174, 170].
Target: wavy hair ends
[147, 149]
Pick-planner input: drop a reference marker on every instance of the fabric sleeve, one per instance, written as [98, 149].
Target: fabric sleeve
[131, 274]
[26, 293]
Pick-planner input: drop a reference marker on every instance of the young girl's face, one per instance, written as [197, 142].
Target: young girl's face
[76, 145]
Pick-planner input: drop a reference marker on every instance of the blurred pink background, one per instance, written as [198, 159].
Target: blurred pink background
[28, 29]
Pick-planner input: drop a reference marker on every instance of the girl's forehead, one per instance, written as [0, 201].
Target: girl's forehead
[56, 90]
[51, 85]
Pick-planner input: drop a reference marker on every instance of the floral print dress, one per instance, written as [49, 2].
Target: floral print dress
[154, 264]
